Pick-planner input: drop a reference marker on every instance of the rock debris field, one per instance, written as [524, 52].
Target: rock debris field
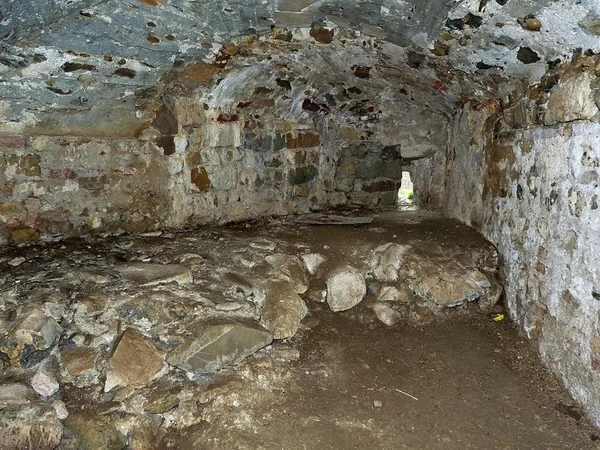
[274, 334]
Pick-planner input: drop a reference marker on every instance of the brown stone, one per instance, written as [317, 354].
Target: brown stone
[200, 72]
[151, 2]
[25, 234]
[322, 35]
[302, 140]
[79, 361]
[200, 179]
[530, 23]
[135, 362]
[12, 213]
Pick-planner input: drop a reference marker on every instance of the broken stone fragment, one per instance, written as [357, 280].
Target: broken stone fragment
[44, 382]
[214, 346]
[312, 261]
[135, 362]
[385, 313]
[387, 260]
[31, 339]
[94, 432]
[400, 294]
[34, 426]
[290, 268]
[153, 274]
[346, 288]
[283, 310]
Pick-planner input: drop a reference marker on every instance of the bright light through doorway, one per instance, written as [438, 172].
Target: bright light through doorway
[405, 193]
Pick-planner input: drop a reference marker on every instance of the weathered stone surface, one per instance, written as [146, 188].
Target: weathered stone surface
[31, 338]
[282, 310]
[135, 361]
[95, 432]
[214, 346]
[16, 394]
[290, 268]
[345, 288]
[387, 259]
[571, 99]
[242, 284]
[447, 291]
[30, 427]
[153, 274]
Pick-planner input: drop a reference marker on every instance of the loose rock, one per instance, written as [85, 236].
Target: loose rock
[290, 268]
[386, 261]
[135, 362]
[283, 310]
[346, 288]
[214, 346]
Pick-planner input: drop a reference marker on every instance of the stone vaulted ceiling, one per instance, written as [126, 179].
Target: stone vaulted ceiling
[95, 67]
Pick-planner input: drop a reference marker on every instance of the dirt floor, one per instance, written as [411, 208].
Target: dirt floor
[468, 384]
[344, 381]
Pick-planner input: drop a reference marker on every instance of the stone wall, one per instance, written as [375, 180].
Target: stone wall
[531, 186]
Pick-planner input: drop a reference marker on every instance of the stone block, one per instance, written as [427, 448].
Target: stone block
[301, 175]
[302, 140]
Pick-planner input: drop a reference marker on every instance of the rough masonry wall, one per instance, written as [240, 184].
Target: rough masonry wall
[532, 188]
[257, 131]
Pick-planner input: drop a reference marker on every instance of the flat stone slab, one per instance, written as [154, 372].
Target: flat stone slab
[153, 274]
[332, 219]
[214, 346]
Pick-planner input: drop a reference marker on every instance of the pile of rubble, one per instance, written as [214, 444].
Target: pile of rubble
[113, 343]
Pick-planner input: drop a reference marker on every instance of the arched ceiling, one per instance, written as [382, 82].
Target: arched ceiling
[89, 67]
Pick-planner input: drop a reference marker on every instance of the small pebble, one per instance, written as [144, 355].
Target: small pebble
[377, 404]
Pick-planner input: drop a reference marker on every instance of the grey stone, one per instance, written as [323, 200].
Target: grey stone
[385, 313]
[240, 282]
[282, 310]
[153, 274]
[345, 288]
[289, 268]
[16, 394]
[312, 261]
[211, 347]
